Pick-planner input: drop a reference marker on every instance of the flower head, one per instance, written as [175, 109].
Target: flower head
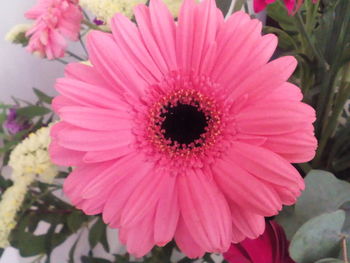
[16, 34]
[182, 129]
[106, 9]
[291, 5]
[270, 247]
[31, 157]
[10, 204]
[13, 124]
[55, 20]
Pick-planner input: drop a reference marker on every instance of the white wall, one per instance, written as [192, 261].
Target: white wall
[20, 70]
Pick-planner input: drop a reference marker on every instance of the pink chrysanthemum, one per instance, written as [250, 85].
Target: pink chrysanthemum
[183, 129]
[291, 5]
[54, 20]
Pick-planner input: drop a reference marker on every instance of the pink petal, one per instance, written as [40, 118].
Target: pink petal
[296, 147]
[85, 94]
[205, 211]
[259, 5]
[266, 165]
[117, 73]
[128, 38]
[59, 102]
[163, 31]
[143, 198]
[86, 140]
[98, 119]
[186, 242]
[63, 156]
[250, 224]
[86, 74]
[143, 19]
[274, 118]
[265, 79]
[134, 173]
[167, 213]
[106, 155]
[139, 239]
[250, 193]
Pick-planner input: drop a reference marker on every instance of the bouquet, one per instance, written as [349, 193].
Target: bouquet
[198, 131]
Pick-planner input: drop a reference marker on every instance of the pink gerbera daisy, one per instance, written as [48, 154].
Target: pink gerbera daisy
[182, 130]
[54, 20]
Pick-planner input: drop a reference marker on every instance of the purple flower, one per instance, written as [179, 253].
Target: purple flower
[98, 22]
[13, 124]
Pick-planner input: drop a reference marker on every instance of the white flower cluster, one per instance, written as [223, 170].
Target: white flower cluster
[17, 33]
[30, 160]
[106, 9]
[11, 202]
[31, 156]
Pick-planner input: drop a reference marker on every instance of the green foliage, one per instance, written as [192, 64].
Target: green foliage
[97, 233]
[319, 223]
[330, 260]
[318, 238]
[30, 112]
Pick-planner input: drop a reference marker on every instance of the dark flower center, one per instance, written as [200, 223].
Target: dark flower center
[183, 124]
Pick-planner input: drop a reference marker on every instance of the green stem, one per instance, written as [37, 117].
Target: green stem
[301, 26]
[329, 129]
[238, 5]
[70, 53]
[62, 61]
[230, 10]
[90, 25]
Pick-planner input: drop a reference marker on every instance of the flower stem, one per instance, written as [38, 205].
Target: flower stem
[230, 10]
[302, 30]
[238, 5]
[345, 251]
[74, 55]
[90, 25]
[329, 129]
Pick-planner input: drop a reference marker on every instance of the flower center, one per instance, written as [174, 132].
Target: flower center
[183, 124]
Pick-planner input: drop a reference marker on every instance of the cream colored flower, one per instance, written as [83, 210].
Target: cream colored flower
[17, 34]
[31, 157]
[174, 6]
[106, 9]
[11, 202]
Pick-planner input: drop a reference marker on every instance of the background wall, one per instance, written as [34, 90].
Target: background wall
[20, 70]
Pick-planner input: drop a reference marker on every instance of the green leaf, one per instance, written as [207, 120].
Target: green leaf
[223, 5]
[72, 250]
[285, 41]
[278, 12]
[30, 112]
[31, 245]
[318, 238]
[121, 258]
[96, 232]
[330, 260]
[104, 240]
[75, 220]
[289, 221]
[86, 259]
[324, 193]
[42, 96]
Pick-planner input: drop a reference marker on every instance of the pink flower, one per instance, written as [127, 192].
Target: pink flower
[54, 20]
[183, 129]
[270, 247]
[291, 5]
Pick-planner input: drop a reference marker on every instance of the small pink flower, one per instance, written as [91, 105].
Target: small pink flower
[270, 247]
[55, 20]
[291, 5]
[182, 130]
